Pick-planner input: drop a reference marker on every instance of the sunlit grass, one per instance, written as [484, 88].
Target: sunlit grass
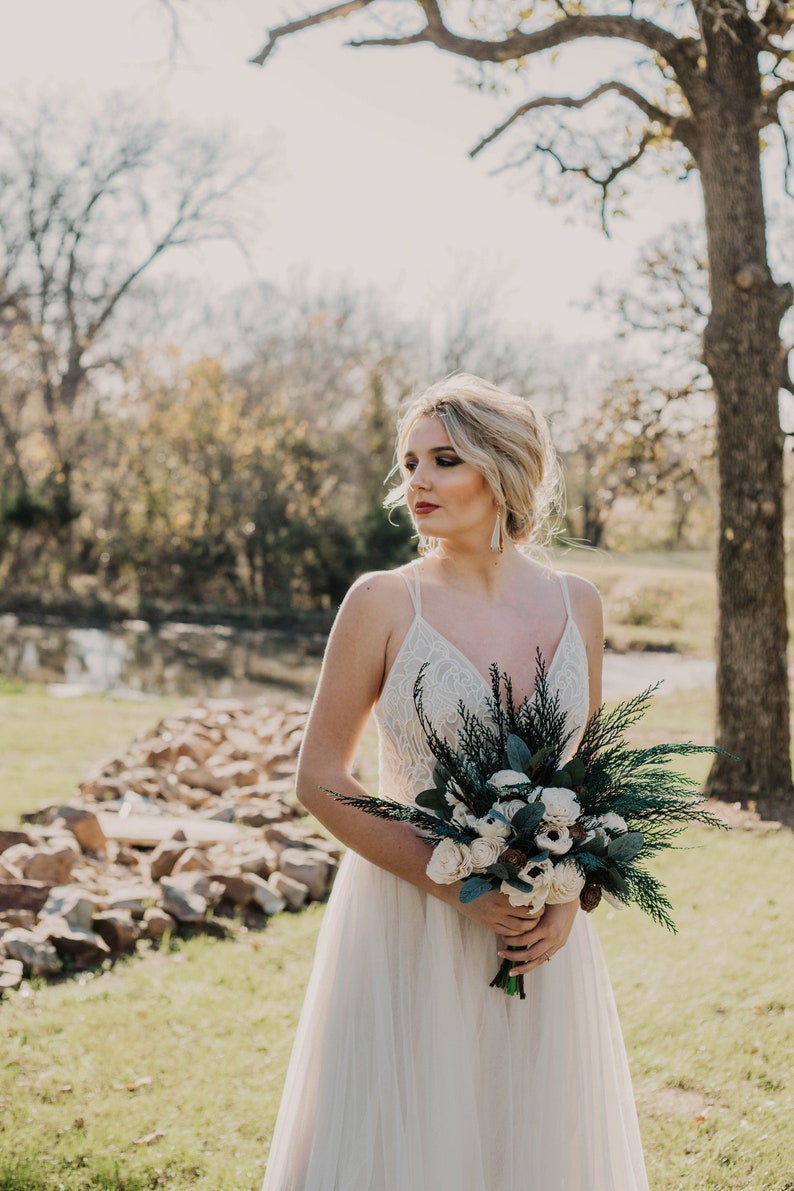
[47, 744]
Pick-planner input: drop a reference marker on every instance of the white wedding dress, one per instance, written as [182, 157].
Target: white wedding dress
[409, 1073]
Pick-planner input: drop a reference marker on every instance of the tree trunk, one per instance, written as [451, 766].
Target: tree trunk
[743, 352]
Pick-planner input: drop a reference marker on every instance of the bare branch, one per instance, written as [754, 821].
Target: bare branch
[657, 114]
[316, 18]
[514, 45]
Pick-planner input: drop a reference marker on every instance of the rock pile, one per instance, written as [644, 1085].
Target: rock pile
[195, 828]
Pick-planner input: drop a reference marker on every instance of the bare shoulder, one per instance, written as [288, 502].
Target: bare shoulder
[376, 592]
[585, 596]
[587, 610]
[377, 604]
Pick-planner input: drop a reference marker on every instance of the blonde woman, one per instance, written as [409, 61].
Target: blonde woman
[410, 1073]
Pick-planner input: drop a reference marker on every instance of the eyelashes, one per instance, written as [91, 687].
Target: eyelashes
[441, 461]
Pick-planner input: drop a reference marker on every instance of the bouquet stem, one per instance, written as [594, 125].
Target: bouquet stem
[512, 986]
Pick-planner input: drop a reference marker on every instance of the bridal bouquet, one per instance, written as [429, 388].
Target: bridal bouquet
[506, 810]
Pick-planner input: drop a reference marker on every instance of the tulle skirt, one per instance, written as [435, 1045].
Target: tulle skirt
[409, 1073]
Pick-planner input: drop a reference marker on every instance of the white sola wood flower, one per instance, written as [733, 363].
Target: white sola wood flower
[462, 816]
[450, 862]
[554, 839]
[507, 778]
[562, 809]
[613, 823]
[510, 807]
[566, 883]
[484, 852]
[493, 826]
[539, 876]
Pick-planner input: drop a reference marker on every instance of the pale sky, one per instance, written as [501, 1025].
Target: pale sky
[370, 178]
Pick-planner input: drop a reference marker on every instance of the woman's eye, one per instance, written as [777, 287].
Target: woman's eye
[410, 465]
[447, 461]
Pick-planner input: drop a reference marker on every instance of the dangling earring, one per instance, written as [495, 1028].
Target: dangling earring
[498, 537]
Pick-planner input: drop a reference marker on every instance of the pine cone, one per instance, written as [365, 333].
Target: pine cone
[577, 831]
[590, 896]
[513, 856]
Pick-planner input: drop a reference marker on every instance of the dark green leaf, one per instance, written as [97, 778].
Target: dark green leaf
[614, 881]
[474, 887]
[432, 800]
[561, 780]
[528, 818]
[576, 769]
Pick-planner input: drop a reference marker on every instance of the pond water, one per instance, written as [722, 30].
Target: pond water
[137, 659]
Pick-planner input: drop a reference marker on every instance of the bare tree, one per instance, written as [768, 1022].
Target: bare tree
[87, 210]
[710, 76]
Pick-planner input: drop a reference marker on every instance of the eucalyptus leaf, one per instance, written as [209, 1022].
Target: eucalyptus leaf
[441, 775]
[474, 887]
[539, 757]
[577, 770]
[561, 780]
[529, 817]
[432, 800]
[626, 846]
[524, 886]
[502, 871]
[598, 844]
[614, 881]
[518, 754]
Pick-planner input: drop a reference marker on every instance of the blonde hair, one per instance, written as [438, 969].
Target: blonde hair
[501, 436]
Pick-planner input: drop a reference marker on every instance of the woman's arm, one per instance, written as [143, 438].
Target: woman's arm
[367, 632]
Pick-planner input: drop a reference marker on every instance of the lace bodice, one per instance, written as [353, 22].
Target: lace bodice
[406, 763]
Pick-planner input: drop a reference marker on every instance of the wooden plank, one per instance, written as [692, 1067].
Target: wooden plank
[149, 830]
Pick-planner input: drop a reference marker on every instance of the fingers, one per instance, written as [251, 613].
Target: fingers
[527, 959]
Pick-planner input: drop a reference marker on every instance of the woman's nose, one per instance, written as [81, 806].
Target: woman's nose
[417, 480]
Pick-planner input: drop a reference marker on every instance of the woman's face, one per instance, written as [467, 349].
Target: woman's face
[447, 497]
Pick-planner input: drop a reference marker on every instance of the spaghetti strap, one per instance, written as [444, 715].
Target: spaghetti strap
[413, 587]
[566, 595]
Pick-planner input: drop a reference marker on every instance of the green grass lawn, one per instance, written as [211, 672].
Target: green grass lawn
[48, 745]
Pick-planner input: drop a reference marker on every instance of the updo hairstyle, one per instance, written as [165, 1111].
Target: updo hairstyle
[501, 436]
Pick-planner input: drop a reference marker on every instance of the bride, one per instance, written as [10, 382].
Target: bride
[410, 1073]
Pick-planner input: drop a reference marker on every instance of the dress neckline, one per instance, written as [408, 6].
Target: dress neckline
[419, 618]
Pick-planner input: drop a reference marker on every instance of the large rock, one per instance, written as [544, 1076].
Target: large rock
[188, 896]
[8, 839]
[309, 866]
[192, 860]
[85, 828]
[294, 893]
[258, 858]
[156, 923]
[70, 903]
[165, 856]
[49, 863]
[12, 972]
[118, 930]
[38, 956]
[23, 895]
[83, 948]
[269, 900]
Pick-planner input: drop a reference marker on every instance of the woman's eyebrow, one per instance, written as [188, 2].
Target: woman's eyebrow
[431, 451]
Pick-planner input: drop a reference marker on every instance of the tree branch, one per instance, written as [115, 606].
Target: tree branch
[316, 18]
[514, 45]
[657, 114]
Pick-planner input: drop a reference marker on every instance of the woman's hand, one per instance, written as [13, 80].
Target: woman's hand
[494, 912]
[540, 941]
